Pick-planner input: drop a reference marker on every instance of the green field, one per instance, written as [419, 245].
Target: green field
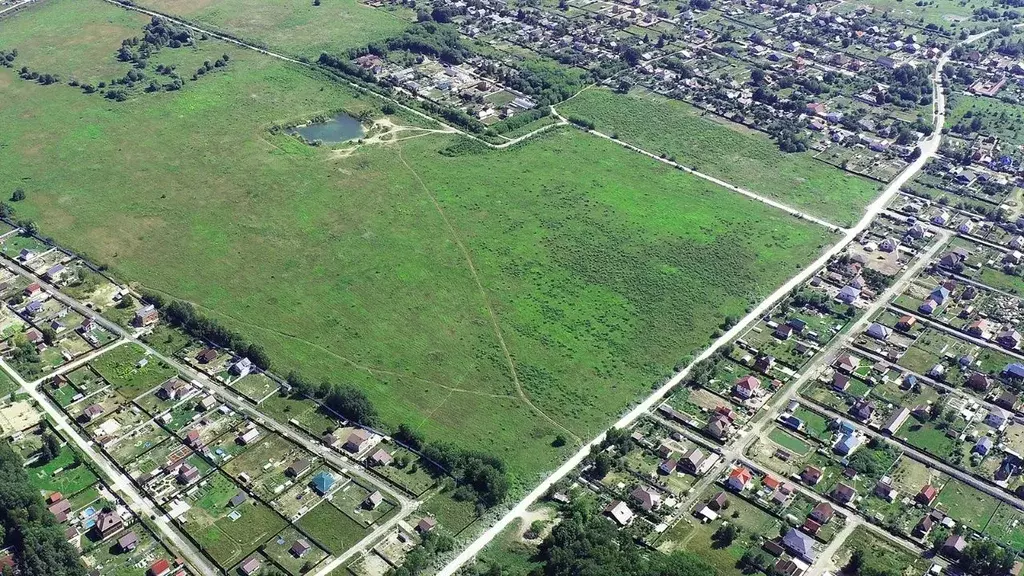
[120, 368]
[331, 528]
[61, 474]
[733, 153]
[968, 506]
[406, 270]
[789, 441]
[296, 27]
[89, 38]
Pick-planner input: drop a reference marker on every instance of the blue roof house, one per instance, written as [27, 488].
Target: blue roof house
[1014, 370]
[323, 482]
[847, 444]
[983, 446]
[799, 544]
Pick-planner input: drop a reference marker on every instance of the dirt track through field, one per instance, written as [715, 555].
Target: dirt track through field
[487, 303]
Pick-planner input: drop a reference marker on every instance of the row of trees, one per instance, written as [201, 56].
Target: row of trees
[184, 315]
[478, 476]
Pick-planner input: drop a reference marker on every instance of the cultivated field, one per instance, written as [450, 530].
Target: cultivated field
[727, 151]
[406, 270]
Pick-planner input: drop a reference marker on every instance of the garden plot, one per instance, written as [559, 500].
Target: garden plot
[262, 467]
[167, 483]
[213, 425]
[227, 533]
[160, 457]
[255, 386]
[231, 444]
[352, 499]
[966, 505]
[108, 559]
[283, 551]
[406, 470]
[395, 546]
[1007, 527]
[130, 371]
[123, 420]
[157, 401]
[370, 564]
[66, 474]
[332, 528]
[301, 497]
[135, 443]
[690, 535]
[94, 407]
[88, 286]
[303, 412]
[181, 416]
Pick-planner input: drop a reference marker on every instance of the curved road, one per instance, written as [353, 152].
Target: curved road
[929, 148]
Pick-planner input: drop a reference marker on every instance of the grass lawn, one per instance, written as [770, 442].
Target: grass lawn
[120, 368]
[788, 441]
[599, 269]
[1007, 526]
[453, 515]
[331, 528]
[966, 505]
[279, 549]
[881, 554]
[229, 540]
[733, 153]
[61, 474]
[293, 26]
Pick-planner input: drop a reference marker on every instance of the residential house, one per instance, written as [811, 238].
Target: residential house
[878, 331]
[357, 441]
[250, 566]
[843, 493]
[799, 544]
[108, 523]
[300, 548]
[927, 495]
[822, 513]
[739, 478]
[128, 542]
[692, 461]
[145, 316]
[746, 386]
[647, 498]
[619, 512]
[811, 475]
[322, 482]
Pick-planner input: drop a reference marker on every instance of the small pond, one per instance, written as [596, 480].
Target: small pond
[334, 131]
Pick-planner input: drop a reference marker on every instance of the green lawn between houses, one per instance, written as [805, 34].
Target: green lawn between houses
[730, 152]
[602, 268]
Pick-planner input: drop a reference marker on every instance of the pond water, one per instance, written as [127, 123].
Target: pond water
[336, 130]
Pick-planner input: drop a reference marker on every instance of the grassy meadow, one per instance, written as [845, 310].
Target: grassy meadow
[295, 27]
[407, 270]
[733, 153]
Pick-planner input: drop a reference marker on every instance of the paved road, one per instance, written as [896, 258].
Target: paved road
[929, 148]
[15, 6]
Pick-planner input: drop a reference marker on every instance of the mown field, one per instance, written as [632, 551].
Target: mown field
[296, 27]
[597, 269]
[735, 154]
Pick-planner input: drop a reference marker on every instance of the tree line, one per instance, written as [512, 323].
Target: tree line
[184, 316]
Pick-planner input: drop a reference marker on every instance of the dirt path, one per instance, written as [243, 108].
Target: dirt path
[487, 302]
